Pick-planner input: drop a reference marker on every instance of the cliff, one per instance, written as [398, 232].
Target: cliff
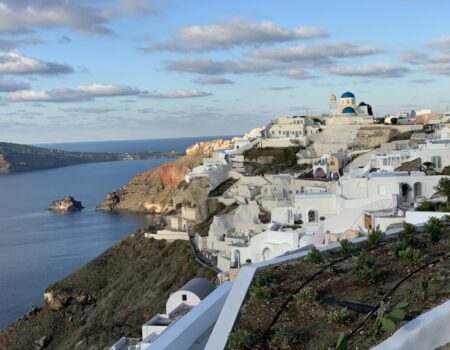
[205, 149]
[163, 189]
[111, 296]
[17, 158]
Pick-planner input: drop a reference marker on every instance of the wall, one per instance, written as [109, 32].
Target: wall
[416, 217]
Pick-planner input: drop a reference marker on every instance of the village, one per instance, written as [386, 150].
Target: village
[297, 183]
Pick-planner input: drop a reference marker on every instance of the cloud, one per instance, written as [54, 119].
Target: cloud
[9, 86]
[280, 88]
[437, 64]
[90, 92]
[23, 16]
[176, 94]
[442, 43]
[316, 54]
[14, 62]
[211, 80]
[378, 70]
[233, 33]
[88, 110]
[297, 74]
[210, 67]
[78, 94]
[422, 81]
[64, 40]
[137, 7]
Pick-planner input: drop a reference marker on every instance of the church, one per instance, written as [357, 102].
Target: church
[349, 111]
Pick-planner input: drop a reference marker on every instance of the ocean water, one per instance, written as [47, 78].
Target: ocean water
[38, 247]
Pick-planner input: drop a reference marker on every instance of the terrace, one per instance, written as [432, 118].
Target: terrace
[352, 297]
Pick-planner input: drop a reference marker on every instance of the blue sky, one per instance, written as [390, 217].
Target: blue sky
[134, 69]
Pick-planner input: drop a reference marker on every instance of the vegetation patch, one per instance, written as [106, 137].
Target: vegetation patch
[357, 295]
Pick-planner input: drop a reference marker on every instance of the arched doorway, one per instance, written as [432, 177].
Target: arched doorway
[266, 254]
[312, 216]
[236, 262]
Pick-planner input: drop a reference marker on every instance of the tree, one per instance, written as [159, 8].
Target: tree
[394, 121]
[443, 188]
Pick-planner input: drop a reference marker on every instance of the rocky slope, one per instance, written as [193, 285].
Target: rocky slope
[111, 296]
[17, 158]
[163, 189]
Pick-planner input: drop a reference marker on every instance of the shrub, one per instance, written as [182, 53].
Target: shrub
[322, 218]
[364, 271]
[339, 316]
[240, 339]
[286, 334]
[397, 246]
[446, 171]
[426, 206]
[260, 293]
[306, 296]
[411, 255]
[264, 278]
[409, 235]
[434, 228]
[315, 256]
[375, 236]
[443, 188]
[346, 247]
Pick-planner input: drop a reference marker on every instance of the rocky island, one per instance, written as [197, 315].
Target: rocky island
[68, 205]
[18, 158]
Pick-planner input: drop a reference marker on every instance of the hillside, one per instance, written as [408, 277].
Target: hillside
[17, 158]
[162, 189]
[111, 296]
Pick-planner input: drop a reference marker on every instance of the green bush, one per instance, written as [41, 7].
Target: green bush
[409, 235]
[434, 228]
[346, 247]
[264, 278]
[364, 271]
[305, 296]
[261, 293]
[339, 316]
[426, 206]
[398, 246]
[411, 256]
[375, 236]
[286, 334]
[446, 171]
[315, 256]
[240, 339]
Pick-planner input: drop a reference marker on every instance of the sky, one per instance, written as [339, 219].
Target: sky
[140, 69]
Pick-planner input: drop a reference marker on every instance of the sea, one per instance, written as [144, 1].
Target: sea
[39, 247]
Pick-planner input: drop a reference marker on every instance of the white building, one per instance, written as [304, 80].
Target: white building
[179, 305]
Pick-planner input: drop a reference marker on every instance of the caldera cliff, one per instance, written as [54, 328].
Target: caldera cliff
[163, 189]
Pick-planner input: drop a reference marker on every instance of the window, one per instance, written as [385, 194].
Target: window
[437, 161]
[417, 189]
[184, 297]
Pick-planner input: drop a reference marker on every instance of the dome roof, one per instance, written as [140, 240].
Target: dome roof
[348, 94]
[348, 110]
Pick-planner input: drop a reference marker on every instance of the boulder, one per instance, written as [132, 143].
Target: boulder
[43, 342]
[67, 204]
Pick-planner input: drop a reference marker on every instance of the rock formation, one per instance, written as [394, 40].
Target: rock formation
[205, 149]
[67, 204]
[163, 189]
